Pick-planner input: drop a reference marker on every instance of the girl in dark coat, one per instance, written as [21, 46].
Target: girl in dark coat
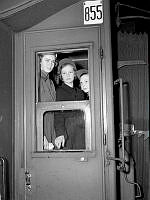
[69, 125]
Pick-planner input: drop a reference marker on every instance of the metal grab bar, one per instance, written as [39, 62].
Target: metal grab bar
[120, 82]
[123, 159]
[3, 181]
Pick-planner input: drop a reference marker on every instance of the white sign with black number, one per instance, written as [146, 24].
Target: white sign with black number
[93, 12]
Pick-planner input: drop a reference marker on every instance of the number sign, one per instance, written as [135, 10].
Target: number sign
[93, 12]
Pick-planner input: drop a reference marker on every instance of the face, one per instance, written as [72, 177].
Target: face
[48, 63]
[68, 74]
[84, 83]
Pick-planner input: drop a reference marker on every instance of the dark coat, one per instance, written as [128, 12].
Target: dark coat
[70, 123]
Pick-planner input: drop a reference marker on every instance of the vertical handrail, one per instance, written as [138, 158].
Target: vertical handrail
[3, 164]
[121, 117]
[123, 159]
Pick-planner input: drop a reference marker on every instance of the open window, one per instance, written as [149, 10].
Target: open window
[75, 113]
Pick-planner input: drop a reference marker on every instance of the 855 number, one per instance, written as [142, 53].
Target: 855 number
[93, 13]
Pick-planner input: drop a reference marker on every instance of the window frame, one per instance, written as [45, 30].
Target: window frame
[52, 106]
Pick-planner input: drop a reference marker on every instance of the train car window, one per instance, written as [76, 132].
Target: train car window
[72, 121]
[63, 115]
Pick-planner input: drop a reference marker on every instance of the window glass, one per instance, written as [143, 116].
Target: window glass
[74, 125]
[62, 76]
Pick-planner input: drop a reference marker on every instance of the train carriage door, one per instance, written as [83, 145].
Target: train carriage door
[70, 173]
[67, 173]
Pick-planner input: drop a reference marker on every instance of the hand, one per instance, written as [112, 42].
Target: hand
[48, 145]
[60, 141]
[45, 143]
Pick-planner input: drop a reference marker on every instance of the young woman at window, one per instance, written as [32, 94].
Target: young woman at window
[69, 125]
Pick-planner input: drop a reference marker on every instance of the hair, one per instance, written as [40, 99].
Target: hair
[83, 74]
[41, 55]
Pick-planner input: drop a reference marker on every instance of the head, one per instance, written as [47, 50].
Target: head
[84, 83]
[48, 62]
[84, 80]
[67, 71]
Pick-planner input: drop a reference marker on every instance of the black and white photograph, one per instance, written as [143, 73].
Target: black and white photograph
[74, 100]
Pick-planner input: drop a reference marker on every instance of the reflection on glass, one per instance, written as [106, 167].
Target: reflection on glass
[73, 125]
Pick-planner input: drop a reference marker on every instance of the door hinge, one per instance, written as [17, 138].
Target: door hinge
[28, 180]
[101, 52]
